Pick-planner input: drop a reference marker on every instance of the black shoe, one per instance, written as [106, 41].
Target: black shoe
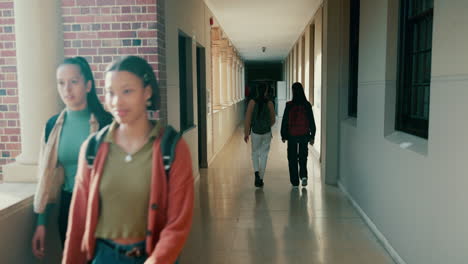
[261, 183]
[257, 179]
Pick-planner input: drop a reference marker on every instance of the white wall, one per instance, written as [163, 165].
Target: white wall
[15, 241]
[192, 17]
[293, 68]
[316, 108]
[414, 196]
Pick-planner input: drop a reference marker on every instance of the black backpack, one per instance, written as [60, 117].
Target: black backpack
[261, 123]
[168, 144]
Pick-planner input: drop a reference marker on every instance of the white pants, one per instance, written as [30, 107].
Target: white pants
[260, 149]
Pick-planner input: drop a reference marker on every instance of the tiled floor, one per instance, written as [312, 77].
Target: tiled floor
[236, 223]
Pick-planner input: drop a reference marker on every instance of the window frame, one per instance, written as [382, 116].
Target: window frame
[354, 17]
[186, 85]
[407, 68]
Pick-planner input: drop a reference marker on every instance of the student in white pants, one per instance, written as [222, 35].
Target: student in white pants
[260, 150]
[260, 117]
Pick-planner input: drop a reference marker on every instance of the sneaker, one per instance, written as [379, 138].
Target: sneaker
[257, 179]
[304, 182]
[261, 183]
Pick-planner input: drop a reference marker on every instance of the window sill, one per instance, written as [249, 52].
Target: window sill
[408, 142]
[14, 196]
[218, 108]
[188, 129]
[351, 121]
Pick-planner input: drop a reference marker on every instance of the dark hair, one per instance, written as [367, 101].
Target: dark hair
[94, 105]
[141, 68]
[298, 93]
[260, 99]
[261, 89]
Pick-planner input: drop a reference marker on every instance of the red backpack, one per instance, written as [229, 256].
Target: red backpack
[298, 121]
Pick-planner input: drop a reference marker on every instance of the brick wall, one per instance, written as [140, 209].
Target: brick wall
[100, 31]
[10, 145]
[103, 30]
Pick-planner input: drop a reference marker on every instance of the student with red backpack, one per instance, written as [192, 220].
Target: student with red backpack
[298, 128]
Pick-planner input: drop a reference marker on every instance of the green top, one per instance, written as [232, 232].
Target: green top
[75, 130]
[124, 190]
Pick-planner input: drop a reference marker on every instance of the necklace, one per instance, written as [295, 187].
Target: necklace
[128, 157]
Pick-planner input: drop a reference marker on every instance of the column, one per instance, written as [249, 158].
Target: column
[39, 48]
[233, 70]
[229, 75]
[234, 75]
[223, 74]
[242, 69]
[239, 83]
[216, 65]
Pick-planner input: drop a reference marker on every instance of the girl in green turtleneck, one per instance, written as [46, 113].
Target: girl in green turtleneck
[61, 143]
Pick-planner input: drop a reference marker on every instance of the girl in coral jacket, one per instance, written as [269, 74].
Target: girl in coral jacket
[125, 209]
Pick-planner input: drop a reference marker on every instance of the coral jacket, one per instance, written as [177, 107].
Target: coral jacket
[170, 207]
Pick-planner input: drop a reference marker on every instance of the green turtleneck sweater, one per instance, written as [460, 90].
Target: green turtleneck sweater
[75, 130]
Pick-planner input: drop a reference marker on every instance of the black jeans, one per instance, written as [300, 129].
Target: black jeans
[297, 157]
[65, 200]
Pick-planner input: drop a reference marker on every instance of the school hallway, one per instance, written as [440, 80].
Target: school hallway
[234, 222]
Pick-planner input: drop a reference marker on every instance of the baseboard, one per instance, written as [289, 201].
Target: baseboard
[383, 240]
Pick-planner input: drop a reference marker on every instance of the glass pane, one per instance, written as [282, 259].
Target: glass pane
[429, 33]
[426, 103]
[421, 72]
[427, 67]
[430, 4]
[414, 37]
[422, 94]
[414, 68]
[422, 34]
[415, 9]
[410, 5]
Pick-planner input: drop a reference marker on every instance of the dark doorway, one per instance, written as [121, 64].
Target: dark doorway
[186, 83]
[269, 72]
[202, 111]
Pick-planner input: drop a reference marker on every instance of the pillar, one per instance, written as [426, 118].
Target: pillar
[39, 48]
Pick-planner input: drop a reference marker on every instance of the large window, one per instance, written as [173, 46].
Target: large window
[414, 64]
[186, 82]
[353, 57]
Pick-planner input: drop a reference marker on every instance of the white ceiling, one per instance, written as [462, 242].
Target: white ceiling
[253, 24]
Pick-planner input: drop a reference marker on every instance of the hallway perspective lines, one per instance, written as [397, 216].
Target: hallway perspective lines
[236, 223]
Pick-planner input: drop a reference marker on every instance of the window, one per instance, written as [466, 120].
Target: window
[414, 66]
[312, 64]
[353, 57]
[185, 82]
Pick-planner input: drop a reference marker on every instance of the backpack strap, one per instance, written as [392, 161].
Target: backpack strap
[93, 145]
[168, 144]
[49, 126]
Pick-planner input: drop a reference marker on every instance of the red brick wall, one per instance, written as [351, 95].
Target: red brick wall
[100, 31]
[10, 145]
[103, 30]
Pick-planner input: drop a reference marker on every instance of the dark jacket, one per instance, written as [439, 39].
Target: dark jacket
[285, 123]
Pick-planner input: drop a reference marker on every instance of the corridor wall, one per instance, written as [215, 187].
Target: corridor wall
[412, 189]
[192, 17]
